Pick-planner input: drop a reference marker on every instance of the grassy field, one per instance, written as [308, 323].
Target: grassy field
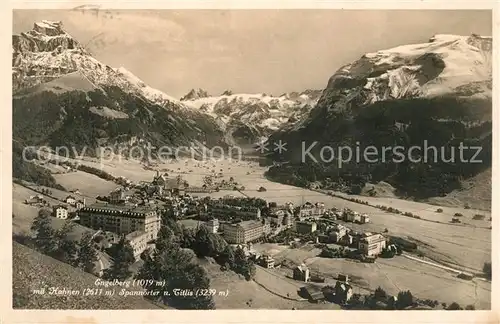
[393, 275]
[88, 184]
[428, 211]
[244, 294]
[24, 214]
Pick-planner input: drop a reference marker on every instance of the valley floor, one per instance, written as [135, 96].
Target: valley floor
[465, 246]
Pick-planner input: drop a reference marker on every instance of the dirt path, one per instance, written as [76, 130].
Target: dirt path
[436, 265]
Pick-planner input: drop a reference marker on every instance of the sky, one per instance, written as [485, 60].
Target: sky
[247, 51]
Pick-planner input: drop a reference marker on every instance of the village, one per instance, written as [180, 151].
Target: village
[137, 211]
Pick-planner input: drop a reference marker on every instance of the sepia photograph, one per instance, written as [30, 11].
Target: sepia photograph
[236, 159]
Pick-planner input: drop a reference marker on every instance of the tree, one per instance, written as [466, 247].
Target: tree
[202, 242]
[123, 258]
[454, 306]
[67, 249]
[208, 181]
[190, 278]
[67, 252]
[487, 270]
[250, 270]
[470, 307]
[146, 255]
[380, 294]
[174, 267]
[217, 244]
[355, 300]
[45, 240]
[226, 258]
[405, 299]
[208, 244]
[387, 253]
[166, 237]
[188, 237]
[87, 254]
[240, 259]
[242, 265]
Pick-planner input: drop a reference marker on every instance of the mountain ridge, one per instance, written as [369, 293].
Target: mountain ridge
[253, 116]
[438, 91]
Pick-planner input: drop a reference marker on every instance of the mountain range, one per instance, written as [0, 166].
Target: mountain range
[48, 59]
[438, 91]
[253, 116]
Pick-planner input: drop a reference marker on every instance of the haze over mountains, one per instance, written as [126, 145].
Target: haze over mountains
[440, 91]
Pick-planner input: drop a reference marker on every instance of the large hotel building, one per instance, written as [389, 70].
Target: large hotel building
[243, 232]
[142, 221]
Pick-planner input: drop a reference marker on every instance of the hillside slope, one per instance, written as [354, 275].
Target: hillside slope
[438, 93]
[32, 270]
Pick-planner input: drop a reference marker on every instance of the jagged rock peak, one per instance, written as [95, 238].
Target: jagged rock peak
[313, 93]
[227, 93]
[49, 28]
[195, 94]
[46, 36]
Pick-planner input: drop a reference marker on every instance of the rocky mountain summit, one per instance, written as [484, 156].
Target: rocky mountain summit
[195, 94]
[56, 80]
[48, 52]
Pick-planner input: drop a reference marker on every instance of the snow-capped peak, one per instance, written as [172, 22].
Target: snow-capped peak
[194, 94]
[47, 52]
[260, 111]
[147, 91]
[440, 66]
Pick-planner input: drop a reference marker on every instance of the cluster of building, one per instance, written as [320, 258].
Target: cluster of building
[36, 200]
[63, 211]
[309, 210]
[349, 215]
[254, 225]
[369, 244]
[219, 208]
[340, 293]
[74, 202]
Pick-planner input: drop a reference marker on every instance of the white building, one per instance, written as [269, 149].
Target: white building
[60, 212]
[212, 225]
[372, 244]
[312, 210]
[70, 200]
[139, 242]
